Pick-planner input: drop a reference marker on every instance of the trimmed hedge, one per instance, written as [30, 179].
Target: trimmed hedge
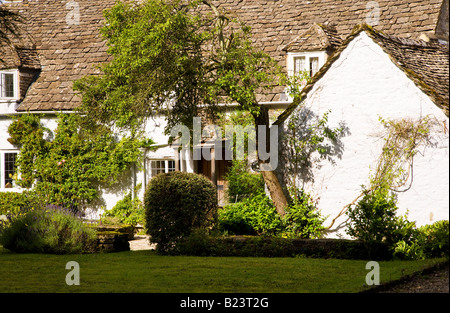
[200, 244]
[175, 204]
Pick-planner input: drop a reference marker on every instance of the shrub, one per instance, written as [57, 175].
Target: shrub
[127, 211]
[48, 231]
[241, 183]
[302, 218]
[14, 203]
[258, 216]
[429, 241]
[373, 220]
[252, 216]
[434, 239]
[175, 204]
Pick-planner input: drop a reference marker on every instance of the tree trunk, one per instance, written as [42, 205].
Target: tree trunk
[270, 178]
[276, 191]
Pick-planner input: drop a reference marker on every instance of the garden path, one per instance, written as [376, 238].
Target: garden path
[141, 242]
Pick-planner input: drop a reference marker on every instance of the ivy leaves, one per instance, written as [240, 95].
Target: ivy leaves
[69, 169]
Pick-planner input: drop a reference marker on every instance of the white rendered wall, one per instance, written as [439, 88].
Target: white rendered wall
[361, 86]
[109, 196]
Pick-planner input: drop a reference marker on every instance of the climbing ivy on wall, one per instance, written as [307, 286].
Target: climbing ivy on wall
[393, 171]
[402, 140]
[68, 167]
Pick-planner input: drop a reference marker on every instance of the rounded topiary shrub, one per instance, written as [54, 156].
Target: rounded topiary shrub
[175, 204]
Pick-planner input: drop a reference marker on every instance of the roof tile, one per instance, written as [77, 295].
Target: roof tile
[71, 51]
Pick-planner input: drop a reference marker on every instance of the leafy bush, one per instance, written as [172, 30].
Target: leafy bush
[373, 220]
[241, 183]
[127, 211]
[258, 216]
[14, 203]
[252, 216]
[175, 204]
[429, 241]
[302, 218]
[434, 239]
[48, 231]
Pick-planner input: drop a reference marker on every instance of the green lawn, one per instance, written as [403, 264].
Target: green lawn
[144, 271]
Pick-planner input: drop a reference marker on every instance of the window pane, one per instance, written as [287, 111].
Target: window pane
[171, 166]
[158, 167]
[10, 161]
[313, 66]
[299, 65]
[7, 85]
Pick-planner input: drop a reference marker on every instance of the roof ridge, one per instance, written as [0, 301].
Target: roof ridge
[416, 78]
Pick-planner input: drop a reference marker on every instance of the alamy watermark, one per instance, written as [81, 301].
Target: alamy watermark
[73, 277]
[373, 16]
[373, 277]
[268, 155]
[73, 16]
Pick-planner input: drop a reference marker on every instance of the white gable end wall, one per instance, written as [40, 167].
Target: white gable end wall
[361, 86]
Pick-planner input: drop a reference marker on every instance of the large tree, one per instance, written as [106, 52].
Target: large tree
[178, 58]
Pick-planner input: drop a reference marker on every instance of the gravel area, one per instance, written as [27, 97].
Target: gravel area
[141, 243]
[435, 280]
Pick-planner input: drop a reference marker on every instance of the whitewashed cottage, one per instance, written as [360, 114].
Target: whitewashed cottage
[60, 42]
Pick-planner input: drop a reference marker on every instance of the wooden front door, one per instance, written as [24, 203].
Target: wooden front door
[220, 170]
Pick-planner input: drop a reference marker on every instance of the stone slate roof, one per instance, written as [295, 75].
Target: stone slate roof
[317, 37]
[68, 52]
[426, 64]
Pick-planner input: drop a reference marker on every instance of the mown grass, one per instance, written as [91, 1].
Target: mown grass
[145, 271]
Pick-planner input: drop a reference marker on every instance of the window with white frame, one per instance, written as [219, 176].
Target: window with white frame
[8, 84]
[305, 61]
[161, 166]
[7, 168]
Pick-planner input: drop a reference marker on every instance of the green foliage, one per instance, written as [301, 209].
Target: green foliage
[15, 203]
[69, 169]
[48, 231]
[434, 239]
[373, 220]
[175, 204]
[429, 241]
[295, 83]
[256, 215]
[168, 50]
[308, 136]
[127, 211]
[302, 218]
[241, 183]
[402, 140]
[201, 243]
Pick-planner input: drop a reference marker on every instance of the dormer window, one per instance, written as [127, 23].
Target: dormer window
[310, 62]
[308, 51]
[8, 84]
